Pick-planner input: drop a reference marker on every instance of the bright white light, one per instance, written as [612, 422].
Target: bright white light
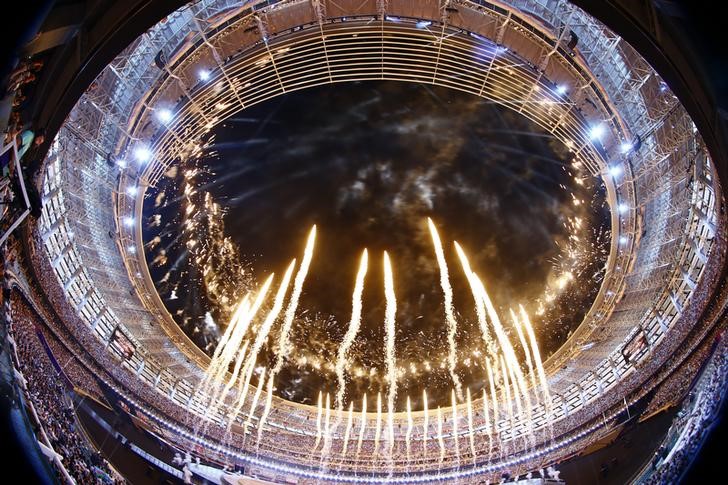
[204, 74]
[132, 249]
[625, 147]
[622, 208]
[615, 170]
[142, 154]
[132, 190]
[561, 89]
[164, 115]
[422, 24]
[597, 132]
[623, 240]
[121, 163]
[128, 221]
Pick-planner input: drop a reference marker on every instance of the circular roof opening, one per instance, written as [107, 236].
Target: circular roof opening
[369, 163]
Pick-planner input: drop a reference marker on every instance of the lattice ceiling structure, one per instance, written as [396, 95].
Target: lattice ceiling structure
[548, 60]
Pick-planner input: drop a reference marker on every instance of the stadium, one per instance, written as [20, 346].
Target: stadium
[362, 241]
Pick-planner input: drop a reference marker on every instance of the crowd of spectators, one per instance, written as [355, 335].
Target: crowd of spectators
[677, 384]
[18, 82]
[17, 89]
[667, 358]
[693, 423]
[77, 373]
[53, 406]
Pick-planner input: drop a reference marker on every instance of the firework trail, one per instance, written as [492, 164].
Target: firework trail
[479, 305]
[452, 325]
[218, 398]
[262, 336]
[241, 308]
[362, 424]
[493, 395]
[471, 432]
[254, 403]
[354, 324]
[519, 383]
[526, 351]
[425, 423]
[486, 413]
[231, 347]
[482, 302]
[284, 343]
[454, 406]
[378, 429]
[537, 358]
[522, 382]
[266, 411]
[440, 440]
[347, 433]
[507, 387]
[327, 428]
[516, 395]
[390, 313]
[319, 414]
[410, 423]
[211, 372]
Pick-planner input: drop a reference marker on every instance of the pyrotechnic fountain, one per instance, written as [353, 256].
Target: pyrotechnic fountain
[440, 439]
[471, 431]
[452, 325]
[508, 398]
[410, 424]
[390, 312]
[362, 424]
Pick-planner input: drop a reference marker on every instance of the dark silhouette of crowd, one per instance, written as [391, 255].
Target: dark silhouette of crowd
[53, 406]
[693, 422]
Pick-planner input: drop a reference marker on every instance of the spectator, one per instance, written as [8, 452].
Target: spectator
[28, 139]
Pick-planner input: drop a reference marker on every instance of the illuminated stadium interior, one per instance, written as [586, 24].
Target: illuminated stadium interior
[381, 240]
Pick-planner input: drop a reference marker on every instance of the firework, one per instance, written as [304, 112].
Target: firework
[354, 323]
[347, 432]
[362, 424]
[452, 326]
[319, 414]
[471, 432]
[390, 313]
[410, 423]
[263, 332]
[425, 422]
[254, 403]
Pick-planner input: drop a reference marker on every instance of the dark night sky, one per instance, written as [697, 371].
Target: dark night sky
[368, 163]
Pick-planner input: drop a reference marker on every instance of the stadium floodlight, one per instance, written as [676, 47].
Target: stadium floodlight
[142, 154]
[597, 132]
[164, 115]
